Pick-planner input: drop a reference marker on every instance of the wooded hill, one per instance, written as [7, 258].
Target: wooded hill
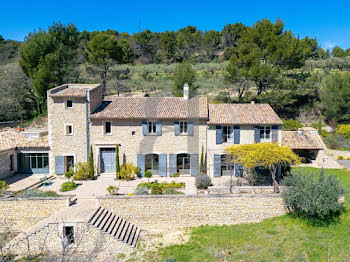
[265, 63]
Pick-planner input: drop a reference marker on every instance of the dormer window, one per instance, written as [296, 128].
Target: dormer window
[69, 103]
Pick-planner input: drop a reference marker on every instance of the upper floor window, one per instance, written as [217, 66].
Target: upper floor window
[108, 128]
[183, 127]
[265, 134]
[69, 130]
[152, 127]
[69, 103]
[227, 134]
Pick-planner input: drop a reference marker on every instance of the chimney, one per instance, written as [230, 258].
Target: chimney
[186, 92]
[252, 102]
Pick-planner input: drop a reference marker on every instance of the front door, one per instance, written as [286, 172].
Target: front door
[69, 163]
[108, 160]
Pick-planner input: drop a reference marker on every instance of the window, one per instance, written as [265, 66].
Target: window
[227, 134]
[151, 162]
[68, 234]
[35, 160]
[152, 127]
[183, 127]
[69, 130]
[265, 134]
[226, 166]
[108, 128]
[69, 103]
[183, 163]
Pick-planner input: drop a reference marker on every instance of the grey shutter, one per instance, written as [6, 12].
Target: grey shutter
[190, 128]
[217, 165]
[194, 161]
[256, 134]
[218, 135]
[177, 128]
[141, 163]
[159, 128]
[172, 164]
[274, 134]
[162, 165]
[237, 135]
[239, 171]
[59, 165]
[144, 128]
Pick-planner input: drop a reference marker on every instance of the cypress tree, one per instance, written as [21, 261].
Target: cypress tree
[201, 168]
[117, 167]
[91, 164]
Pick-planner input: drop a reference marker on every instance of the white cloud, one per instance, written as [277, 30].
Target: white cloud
[328, 45]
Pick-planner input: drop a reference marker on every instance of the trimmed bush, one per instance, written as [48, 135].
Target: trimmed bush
[3, 187]
[340, 157]
[203, 181]
[316, 197]
[176, 174]
[68, 186]
[291, 125]
[36, 193]
[113, 190]
[148, 174]
[128, 172]
[157, 190]
[141, 190]
[82, 171]
[69, 174]
[164, 185]
[50, 193]
[344, 131]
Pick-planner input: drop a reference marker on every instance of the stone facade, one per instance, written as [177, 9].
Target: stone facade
[157, 214]
[17, 214]
[5, 164]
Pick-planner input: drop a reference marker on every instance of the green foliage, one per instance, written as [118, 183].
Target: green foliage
[82, 171]
[172, 191]
[36, 193]
[319, 126]
[141, 190]
[344, 131]
[334, 141]
[113, 190]
[317, 198]
[339, 52]
[69, 174]
[91, 164]
[340, 158]
[203, 181]
[128, 172]
[176, 174]
[68, 186]
[291, 125]
[183, 74]
[3, 187]
[148, 174]
[159, 188]
[201, 166]
[117, 163]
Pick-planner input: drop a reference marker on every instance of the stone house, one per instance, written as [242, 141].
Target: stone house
[163, 134]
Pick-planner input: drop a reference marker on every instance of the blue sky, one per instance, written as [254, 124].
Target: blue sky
[328, 21]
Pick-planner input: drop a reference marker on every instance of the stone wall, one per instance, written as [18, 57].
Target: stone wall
[17, 214]
[241, 190]
[157, 214]
[5, 169]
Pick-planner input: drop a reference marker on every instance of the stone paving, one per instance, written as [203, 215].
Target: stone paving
[20, 182]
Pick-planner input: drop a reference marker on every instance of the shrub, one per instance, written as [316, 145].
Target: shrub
[69, 174]
[157, 190]
[291, 125]
[336, 142]
[314, 197]
[176, 174]
[68, 186]
[148, 174]
[49, 193]
[344, 131]
[128, 172]
[163, 185]
[113, 190]
[91, 164]
[348, 158]
[82, 171]
[171, 191]
[3, 187]
[36, 193]
[340, 157]
[141, 190]
[203, 181]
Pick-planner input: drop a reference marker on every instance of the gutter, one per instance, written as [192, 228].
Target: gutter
[87, 126]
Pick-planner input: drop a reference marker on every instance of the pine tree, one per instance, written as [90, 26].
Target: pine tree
[91, 164]
[117, 165]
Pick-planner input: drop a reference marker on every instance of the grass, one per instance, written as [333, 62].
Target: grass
[284, 238]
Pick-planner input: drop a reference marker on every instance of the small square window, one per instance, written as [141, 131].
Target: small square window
[108, 127]
[68, 233]
[69, 103]
[69, 130]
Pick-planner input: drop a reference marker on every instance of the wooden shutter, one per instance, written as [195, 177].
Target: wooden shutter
[190, 128]
[144, 128]
[218, 135]
[162, 165]
[159, 128]
[172, 164]
[176, 128]
[256, 134]
[274, 134]
[237, 135]
[141, 163]
[194, 161]
[239, 171]
[217, 165]
[59, 165]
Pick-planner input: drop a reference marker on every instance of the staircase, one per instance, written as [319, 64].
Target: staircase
[116, 226]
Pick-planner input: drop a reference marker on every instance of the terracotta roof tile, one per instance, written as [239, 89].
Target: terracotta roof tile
[38, 143]
[243, 114]
[152, 108]
[72, 90]
[10, 139]
[302, 140]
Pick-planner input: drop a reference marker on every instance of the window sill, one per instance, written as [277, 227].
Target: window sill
[152, 135]
[107, 134]
[69, 134]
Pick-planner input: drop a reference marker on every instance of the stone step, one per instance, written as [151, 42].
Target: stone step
[136, 237]
[110, 223]
[98, 215]
[105, 221]
[122, 234]
[114, 227]
[128, 233]
[120, 229]
[94, 215]
[132, 235]
[99, 220]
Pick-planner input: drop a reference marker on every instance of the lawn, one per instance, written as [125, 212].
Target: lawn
[283, 238]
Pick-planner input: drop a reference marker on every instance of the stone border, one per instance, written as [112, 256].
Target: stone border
[70, 199]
